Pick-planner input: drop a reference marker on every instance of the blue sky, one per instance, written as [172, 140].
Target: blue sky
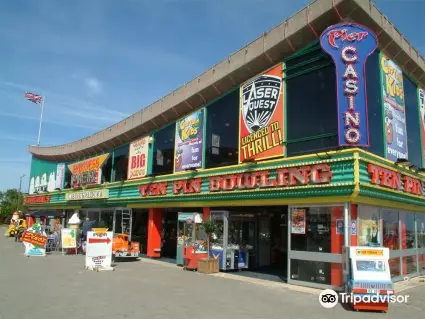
[98, 61]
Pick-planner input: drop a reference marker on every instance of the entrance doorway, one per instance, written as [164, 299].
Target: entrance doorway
[256, 241]
[169, 234]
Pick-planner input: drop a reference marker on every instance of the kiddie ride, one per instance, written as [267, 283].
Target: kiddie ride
[122, 246]
[16, 227]
[370, 286]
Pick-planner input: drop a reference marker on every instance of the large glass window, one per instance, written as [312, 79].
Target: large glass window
[408, 235]
[223, 131]
[311, 112]
[412, 122]
[369, 226]
[106, 170]
[390, 230]
[120, 163]
[420, 224]
[374, 105]
[316, 222]
[163, 155]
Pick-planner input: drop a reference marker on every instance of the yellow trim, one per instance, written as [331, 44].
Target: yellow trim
[392, 191]
[251, 202]
[383, 203]
[356, 163]
[397, 169]
[255, 191]
[53, 207]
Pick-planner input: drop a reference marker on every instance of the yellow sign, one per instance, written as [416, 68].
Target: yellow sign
[88, 194]
[370, 252]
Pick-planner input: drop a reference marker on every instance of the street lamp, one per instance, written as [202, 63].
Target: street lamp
[20, 182]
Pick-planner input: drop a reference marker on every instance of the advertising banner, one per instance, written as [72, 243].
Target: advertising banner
[69, 238]
[88, 194]
[138, 158]
[350, 45]
[87, 172]
[421, 103]
[189, 142]
[34, 240]
[60, 176]
[261, 116]
[395, 131]
[99, 250]
[298, 223]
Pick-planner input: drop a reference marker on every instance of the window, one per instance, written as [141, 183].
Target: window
[311, 110]
[369, 226]
[106, 170]
[223, 131]
[374, 106]
[120, 163]
[370, 265]
[317, 225]
[163, 155]
[408, 235]
[390, 228]
[420, 224]
[412, 122]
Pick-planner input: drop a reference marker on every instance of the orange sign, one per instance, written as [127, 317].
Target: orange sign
[261, 116]
[37, 199]
[87, 172]
[370, 252]
[35, 239]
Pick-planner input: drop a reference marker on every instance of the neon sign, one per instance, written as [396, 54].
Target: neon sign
[350, 45]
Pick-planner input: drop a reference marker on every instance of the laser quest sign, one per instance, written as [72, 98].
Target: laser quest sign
[350, 45]
[261, 124]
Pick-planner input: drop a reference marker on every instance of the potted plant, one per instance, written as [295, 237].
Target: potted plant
[209, 265]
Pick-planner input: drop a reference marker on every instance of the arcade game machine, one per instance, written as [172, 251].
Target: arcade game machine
[369, 275]
[191, 241]
[231, 254]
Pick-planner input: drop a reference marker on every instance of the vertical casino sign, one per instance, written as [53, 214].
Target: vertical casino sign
[350, 45]
[261, 116]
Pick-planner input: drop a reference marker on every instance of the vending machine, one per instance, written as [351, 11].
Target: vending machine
[369, 285]
[191, 240]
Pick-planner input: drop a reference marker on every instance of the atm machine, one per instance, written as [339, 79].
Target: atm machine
[369, 275]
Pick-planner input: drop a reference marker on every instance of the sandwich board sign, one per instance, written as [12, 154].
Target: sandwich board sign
[34, 240]
[99, 250]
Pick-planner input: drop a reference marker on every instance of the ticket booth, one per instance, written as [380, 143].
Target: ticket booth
[369, 283]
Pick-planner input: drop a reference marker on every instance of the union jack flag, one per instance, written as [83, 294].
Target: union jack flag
[35, 98]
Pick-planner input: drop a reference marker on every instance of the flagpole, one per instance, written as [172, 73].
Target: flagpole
[41, 120]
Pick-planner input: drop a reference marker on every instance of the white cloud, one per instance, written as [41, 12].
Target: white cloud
[93, 85]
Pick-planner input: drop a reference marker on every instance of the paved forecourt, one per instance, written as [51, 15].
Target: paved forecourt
[58, 287]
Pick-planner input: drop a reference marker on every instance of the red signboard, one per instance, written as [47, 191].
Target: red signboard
[281, 177]
[393, 180]
[35, 239]
[37, 199]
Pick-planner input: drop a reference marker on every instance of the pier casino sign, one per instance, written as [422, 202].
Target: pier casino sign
[350, 45]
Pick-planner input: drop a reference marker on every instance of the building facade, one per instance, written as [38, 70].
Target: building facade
[309, 139]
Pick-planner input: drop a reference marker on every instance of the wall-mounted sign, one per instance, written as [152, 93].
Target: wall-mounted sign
[395, 180]
[87, 172]
[349, 45]
[375, 252]
[88, 194]
[394, 109]
[298, 221]
[280, 177]
[37, 199]
[421, 103]
[138, 158]
[261, 116]
[60, 176]
[189, 142]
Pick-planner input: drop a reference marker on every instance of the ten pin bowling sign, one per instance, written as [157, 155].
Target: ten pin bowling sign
[99, 250]
[349, 45]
